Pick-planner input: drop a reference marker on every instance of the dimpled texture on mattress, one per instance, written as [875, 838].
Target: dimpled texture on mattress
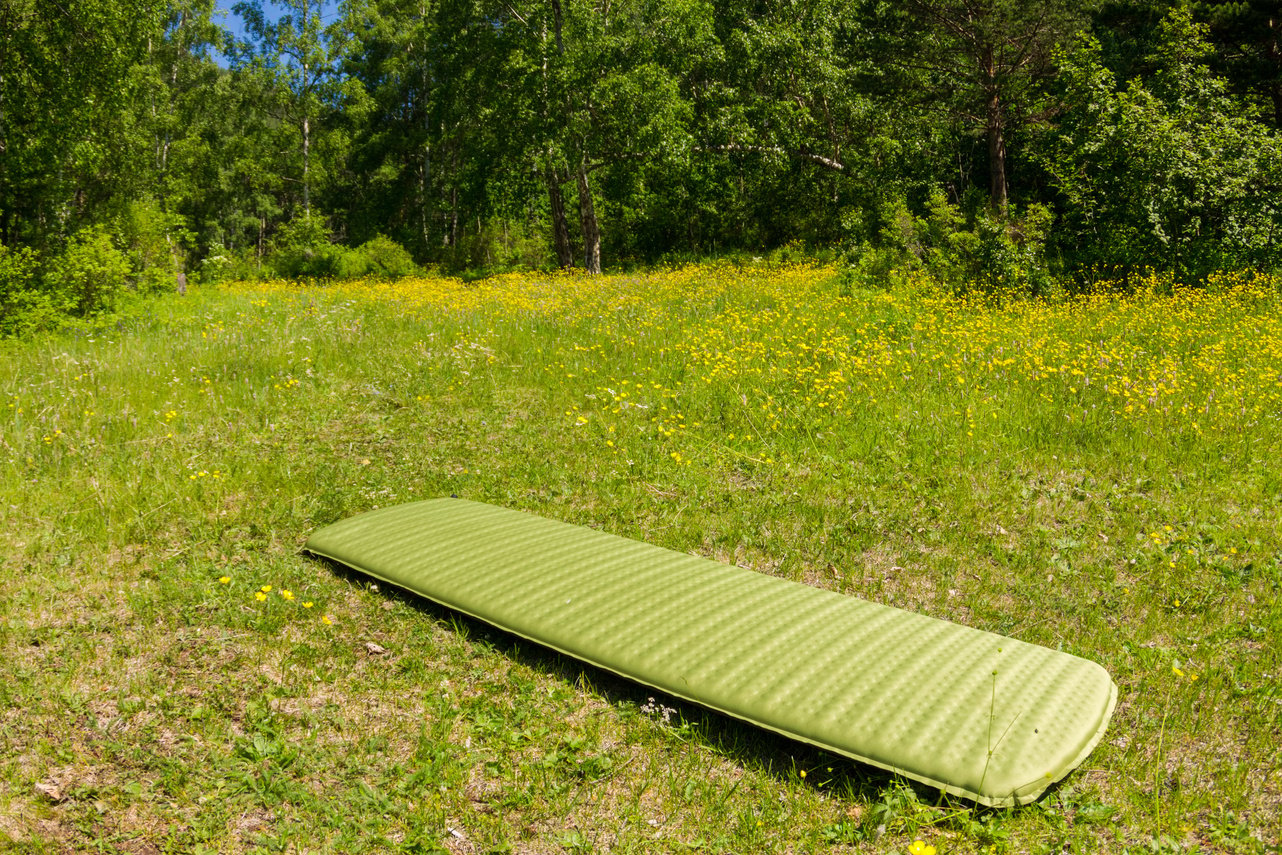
[976, 714]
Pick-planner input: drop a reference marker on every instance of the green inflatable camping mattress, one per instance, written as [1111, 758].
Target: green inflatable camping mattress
[976, 714]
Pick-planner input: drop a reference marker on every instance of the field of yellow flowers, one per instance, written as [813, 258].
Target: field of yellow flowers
[1097, 473]
[1162, 362]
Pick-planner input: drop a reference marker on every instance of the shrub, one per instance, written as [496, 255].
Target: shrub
[1175, 173]
[302, 249]
[988, 251]
[217, 266]
[386, 259]
[864, 267]
[226, 265]
[153, 241]
[24, 306]
[344, 263]
[500, 244]
[89, 276]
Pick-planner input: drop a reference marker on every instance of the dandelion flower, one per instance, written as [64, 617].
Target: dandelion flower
[308, 604]
[260, 596]
[266, 589]
[224, 580]
[327, 620]
[919, 847]
[286, 595]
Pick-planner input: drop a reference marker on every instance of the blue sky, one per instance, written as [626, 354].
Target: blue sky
[225, 17]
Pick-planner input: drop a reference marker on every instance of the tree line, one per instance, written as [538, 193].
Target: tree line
[994, 140]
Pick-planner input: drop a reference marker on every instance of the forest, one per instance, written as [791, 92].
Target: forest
[995, 143]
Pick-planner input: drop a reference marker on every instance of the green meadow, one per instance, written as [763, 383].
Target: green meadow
[1098, 474]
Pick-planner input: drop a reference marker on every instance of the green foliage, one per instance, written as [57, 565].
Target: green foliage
[64, 106]
[302, 249]
[303, 232]
[493, 136]
[290, 56]
[1172, 172]
[89, 276]
[153, 241]
[221, 264]
[25, 307]
[983, 250]
[384, 258]
[86, 279]
[1246, 40]
[865, 267]
[500, 245]
[980, 62]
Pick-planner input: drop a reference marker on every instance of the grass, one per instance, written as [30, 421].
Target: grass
[1097, 475]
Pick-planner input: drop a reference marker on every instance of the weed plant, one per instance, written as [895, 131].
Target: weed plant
[1098, 474]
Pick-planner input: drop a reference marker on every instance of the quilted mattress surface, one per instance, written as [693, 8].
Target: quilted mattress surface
[976, 714]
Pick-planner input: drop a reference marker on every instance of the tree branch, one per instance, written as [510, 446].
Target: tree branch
[827, 162]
